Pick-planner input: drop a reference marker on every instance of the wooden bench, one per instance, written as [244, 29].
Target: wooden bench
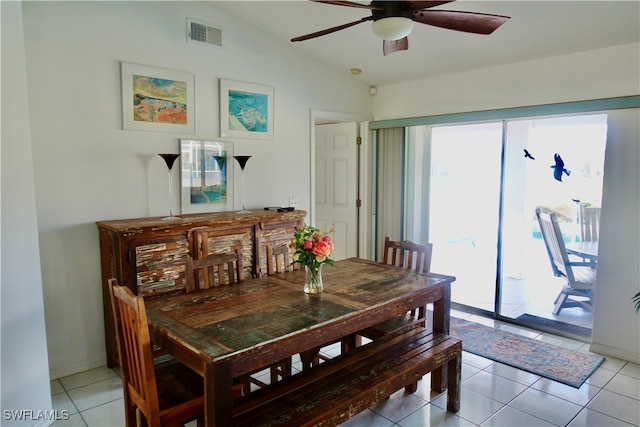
[334, 391]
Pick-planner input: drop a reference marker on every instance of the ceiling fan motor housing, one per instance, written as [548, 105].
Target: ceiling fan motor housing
[390, 9]
[392, 21]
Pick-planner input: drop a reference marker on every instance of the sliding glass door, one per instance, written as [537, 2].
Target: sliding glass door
[528, 285]
[464, 194]
[481, 185]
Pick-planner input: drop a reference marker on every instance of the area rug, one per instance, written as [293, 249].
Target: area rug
[571, 367]
[552, 324]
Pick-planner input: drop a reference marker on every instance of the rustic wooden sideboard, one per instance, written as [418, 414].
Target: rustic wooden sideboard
[148, 255]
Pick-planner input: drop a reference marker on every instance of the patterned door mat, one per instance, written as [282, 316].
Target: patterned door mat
[571, 367]
[552, 324]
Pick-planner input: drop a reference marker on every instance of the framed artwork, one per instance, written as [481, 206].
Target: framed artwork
[206, 176]
[157, 99]
[246, 110]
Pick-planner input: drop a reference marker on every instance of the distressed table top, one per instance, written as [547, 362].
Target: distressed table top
[246, 327]
[230, 320]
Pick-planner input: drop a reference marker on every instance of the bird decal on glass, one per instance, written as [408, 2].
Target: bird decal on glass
[528, 155]
[558, 167]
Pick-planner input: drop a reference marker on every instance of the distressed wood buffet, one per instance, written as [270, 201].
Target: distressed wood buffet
[149, 255]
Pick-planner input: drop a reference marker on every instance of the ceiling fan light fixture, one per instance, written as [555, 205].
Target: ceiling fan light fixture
[392, 28]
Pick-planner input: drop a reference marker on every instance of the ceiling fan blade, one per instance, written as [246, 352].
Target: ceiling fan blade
[349, 4]
[390, 46]
[415, 5]
[330, 30]
[469, 22]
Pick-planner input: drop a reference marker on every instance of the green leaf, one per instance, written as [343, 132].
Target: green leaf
[636, 300]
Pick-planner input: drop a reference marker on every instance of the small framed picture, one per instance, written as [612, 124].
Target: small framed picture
[157, 99]
[206, 176]
[246, 110]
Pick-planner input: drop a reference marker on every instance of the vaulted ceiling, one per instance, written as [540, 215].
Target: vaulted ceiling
[537, 29]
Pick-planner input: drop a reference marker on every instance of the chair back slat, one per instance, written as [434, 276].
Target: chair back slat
[556, 248]
[408, 255]
[215, 270]
[589, 223]
[279, 260]
[134, 348]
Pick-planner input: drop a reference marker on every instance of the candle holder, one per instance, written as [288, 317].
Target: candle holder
[169, 159]
[221, 160]
[242, 161]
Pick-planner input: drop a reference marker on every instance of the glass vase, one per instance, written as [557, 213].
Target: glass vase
[313, 279]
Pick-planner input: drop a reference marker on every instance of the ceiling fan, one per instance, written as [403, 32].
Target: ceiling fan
[393, 21]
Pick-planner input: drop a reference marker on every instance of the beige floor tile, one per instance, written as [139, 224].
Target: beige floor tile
[546, 406]
[87, 377]
[631, 369]
[398, 406]
[431, 415]
[74, 420]
[369, 419]
[617, 406]
[97, 393]
[494, 387]
[589, 418]
[624, 385]
[474, 407]
[56, 387]
[580, 396]
[509, 416]
[62, 402]
[108, 415]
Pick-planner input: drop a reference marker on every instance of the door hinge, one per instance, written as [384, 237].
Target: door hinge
[359, 140]
[358, 203]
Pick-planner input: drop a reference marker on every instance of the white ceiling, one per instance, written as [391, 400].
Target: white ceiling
[537, 29]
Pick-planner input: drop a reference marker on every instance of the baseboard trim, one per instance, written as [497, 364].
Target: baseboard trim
[54, 374]
[618, 353]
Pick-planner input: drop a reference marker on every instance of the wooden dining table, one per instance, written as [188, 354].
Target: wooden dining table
[584, 249]
[226, 332]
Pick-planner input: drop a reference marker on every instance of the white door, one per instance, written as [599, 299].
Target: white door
[336, 185]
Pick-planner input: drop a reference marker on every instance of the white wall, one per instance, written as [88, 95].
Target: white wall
[616, 328]
[602, 73]
[87, 168]
[25, 373]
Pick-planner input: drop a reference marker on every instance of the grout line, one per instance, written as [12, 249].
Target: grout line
[73, 403]
[83, 420]
[608, 415]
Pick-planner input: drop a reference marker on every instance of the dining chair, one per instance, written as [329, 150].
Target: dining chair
[579, 275]
[215, 270]
[279, 260]
[589, 223]
[408, 255]
[166, 394]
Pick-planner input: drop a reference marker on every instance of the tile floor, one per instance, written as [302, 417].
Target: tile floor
[493, 394]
